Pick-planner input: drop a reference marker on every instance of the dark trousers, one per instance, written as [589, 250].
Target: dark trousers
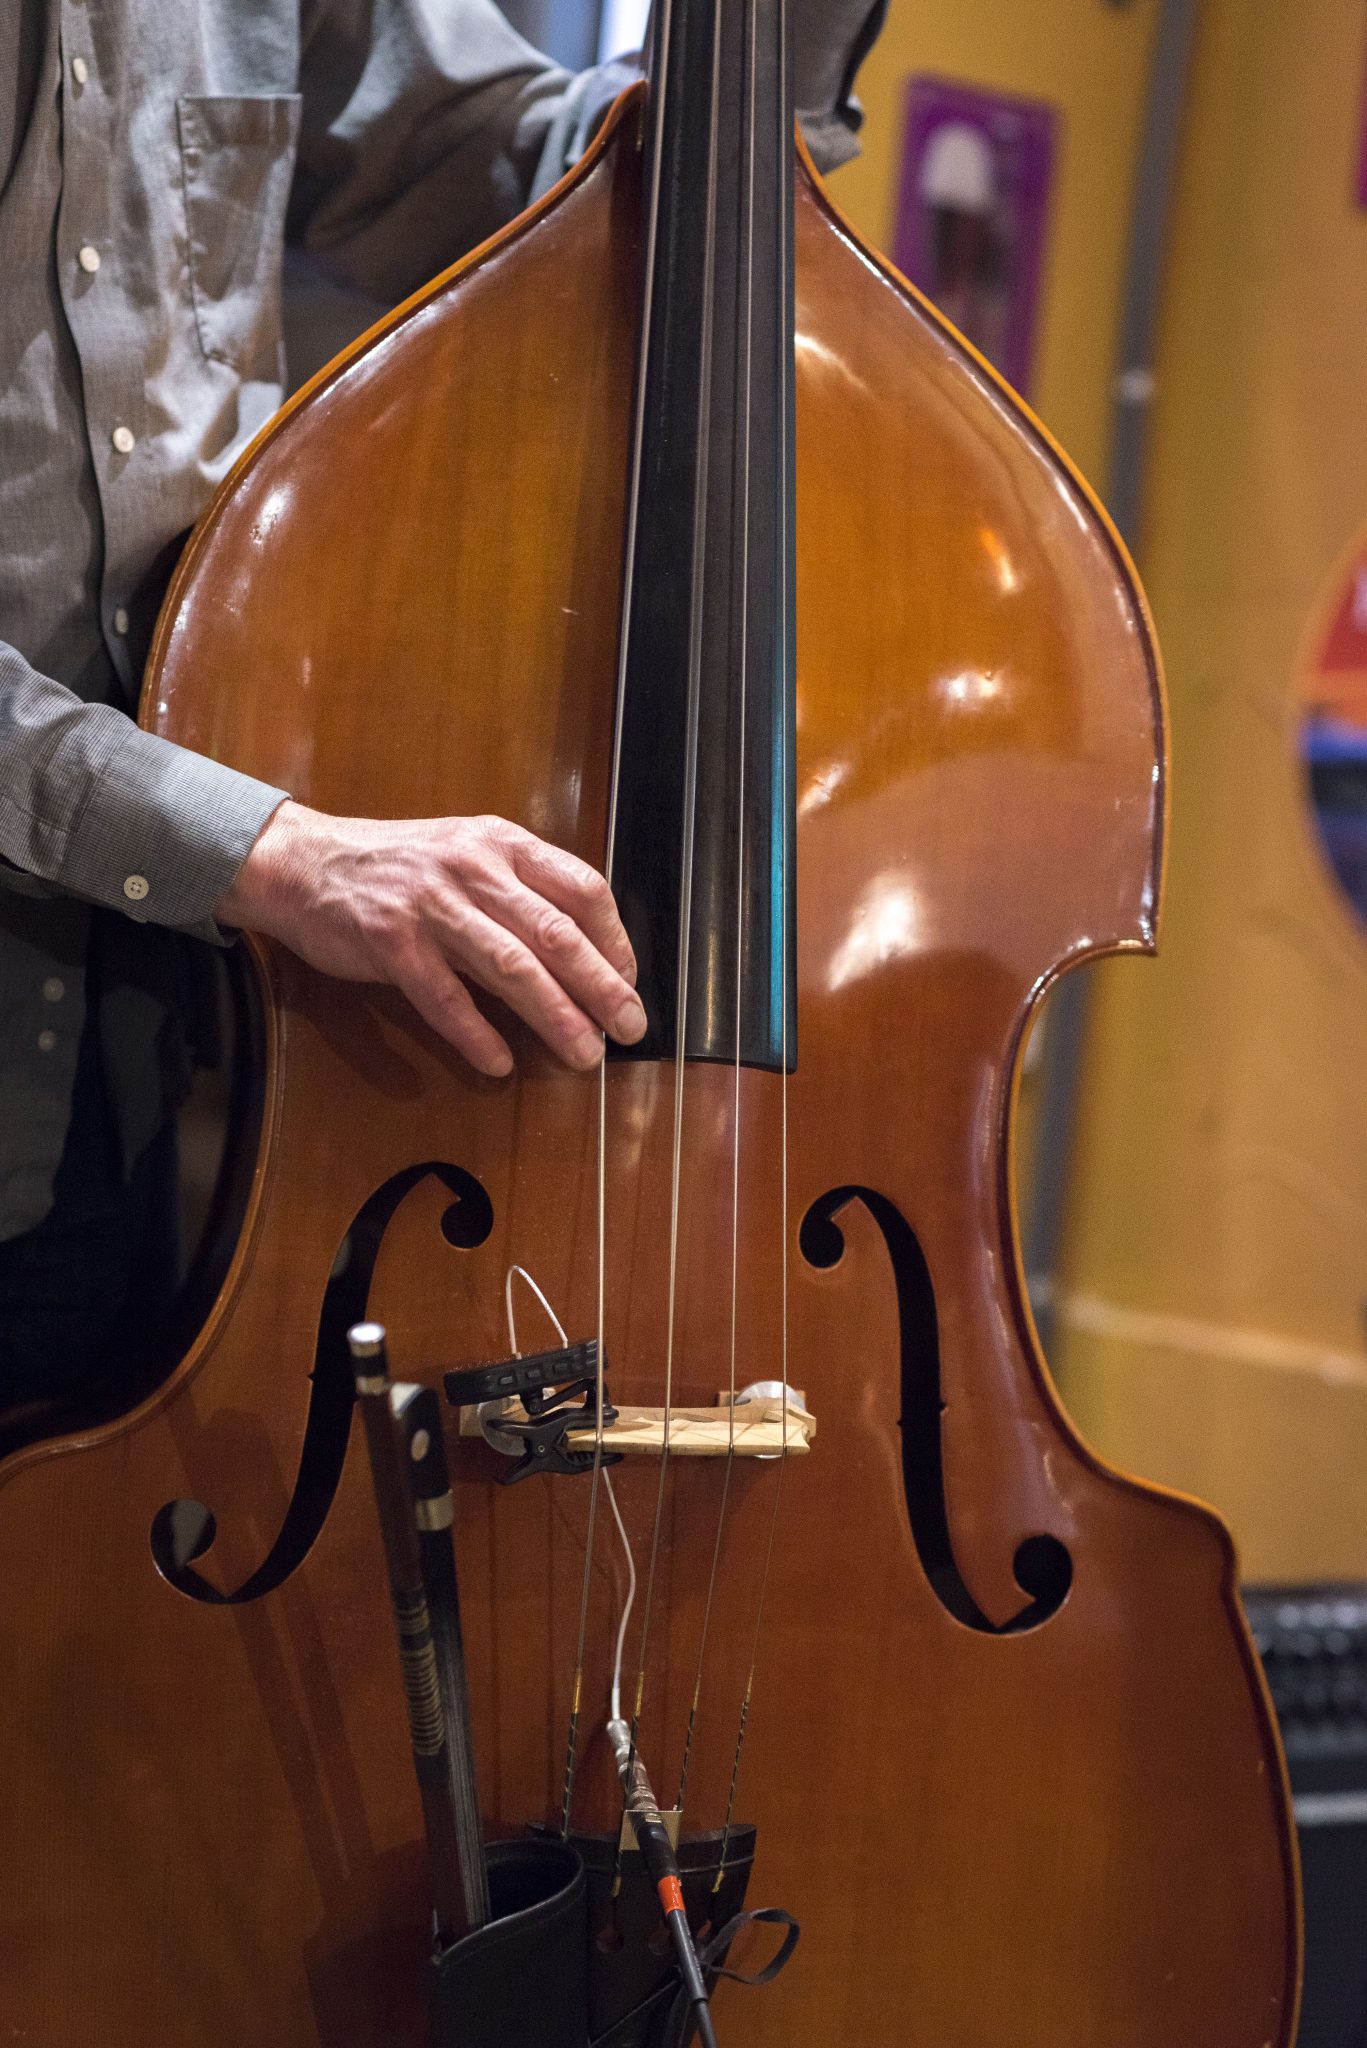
[84, 1296]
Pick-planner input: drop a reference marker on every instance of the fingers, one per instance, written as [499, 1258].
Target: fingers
[497, 958]
[536, 927]
[442, 1000]
[557, 942]
[577, 889]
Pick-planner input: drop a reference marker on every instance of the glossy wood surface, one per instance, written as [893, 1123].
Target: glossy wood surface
[406, 602]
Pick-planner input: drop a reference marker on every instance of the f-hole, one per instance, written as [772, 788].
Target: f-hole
[1042, 1566]
[183, 1530]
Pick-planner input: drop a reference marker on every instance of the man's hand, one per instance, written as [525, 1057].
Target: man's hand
[420, 904]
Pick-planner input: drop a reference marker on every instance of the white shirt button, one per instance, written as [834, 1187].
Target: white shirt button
[124, 440]
[80, 70]
[53, 989]
[135, 887]
[120, 620]
[88, 258]
[47, 1041]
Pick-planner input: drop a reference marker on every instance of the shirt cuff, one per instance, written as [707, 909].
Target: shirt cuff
[578, 117]
[832, 139]
[830, 40]
[163, 831]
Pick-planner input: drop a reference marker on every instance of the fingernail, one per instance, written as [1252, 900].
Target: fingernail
[630, 1022]
[588, 1050]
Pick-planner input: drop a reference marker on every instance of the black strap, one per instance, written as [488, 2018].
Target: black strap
[716, 1946]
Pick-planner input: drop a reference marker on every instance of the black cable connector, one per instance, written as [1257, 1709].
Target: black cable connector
[657, 1853]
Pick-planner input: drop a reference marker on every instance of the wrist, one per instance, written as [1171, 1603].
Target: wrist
[261, 885]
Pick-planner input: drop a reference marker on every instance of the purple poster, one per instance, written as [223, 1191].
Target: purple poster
[977, 168]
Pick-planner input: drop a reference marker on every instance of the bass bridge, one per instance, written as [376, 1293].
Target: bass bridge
[542, 1410]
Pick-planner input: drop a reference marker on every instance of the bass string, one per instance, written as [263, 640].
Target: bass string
[701, 471]
[787, 509]
[510, 1313]
[743, 442]
[661, 23]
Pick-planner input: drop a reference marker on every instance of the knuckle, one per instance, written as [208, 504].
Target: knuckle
[450, 998]
[468, 841]
[554, 932]
[561, 1025]
[584, 878]
[462, 847]
[508, 958]
[493, 857]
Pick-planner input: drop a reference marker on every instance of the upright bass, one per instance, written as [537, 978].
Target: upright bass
[673, 525]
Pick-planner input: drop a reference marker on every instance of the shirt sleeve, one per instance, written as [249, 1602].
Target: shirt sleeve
[830, 40]
[422, 129]
[429, 123]
[93, 806]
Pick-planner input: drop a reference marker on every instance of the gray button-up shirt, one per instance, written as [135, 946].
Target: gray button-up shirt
[155, 160]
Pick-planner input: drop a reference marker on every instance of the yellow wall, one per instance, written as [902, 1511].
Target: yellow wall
[1089, 60]
[1211, 1326]
[1217, 1256]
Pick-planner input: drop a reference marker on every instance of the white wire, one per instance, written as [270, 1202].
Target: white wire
[515, 1272]
[630, 1599]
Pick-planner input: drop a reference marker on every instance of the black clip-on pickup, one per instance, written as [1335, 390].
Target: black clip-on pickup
[558, 1389]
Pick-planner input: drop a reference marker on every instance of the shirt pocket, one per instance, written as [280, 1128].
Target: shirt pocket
[236, 163]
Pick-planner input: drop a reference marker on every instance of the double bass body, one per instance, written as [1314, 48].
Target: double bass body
[1008, 1755]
